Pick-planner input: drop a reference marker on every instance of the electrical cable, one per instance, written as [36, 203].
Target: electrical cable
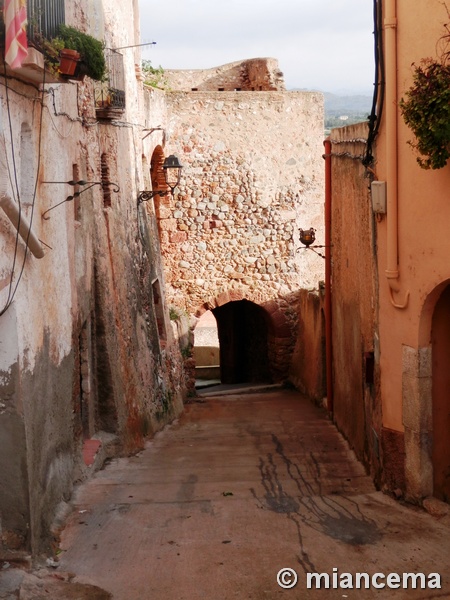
[13, 268]
[379, 85]
[11, 291]
[51, 91]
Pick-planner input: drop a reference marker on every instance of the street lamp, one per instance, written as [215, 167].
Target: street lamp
[172, 173]
[307, 237]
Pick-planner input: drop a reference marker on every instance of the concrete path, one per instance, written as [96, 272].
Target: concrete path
[238, 488]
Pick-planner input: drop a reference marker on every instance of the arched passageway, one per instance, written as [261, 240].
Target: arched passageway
[440, 337]
[242, 329]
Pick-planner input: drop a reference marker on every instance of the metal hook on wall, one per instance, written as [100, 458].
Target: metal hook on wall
[81, 182]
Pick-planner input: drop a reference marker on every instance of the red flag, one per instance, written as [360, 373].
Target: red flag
[16, 46]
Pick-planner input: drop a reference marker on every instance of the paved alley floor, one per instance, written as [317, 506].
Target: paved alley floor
[238, 488]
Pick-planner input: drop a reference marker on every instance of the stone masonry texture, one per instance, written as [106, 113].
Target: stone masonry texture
[252, 176]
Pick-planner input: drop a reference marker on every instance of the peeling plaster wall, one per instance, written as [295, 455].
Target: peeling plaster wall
[80, 351]
[38, 450]
[14, 484]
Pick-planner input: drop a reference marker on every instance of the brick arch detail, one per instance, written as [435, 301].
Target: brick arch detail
[158, 183]
[157, 171]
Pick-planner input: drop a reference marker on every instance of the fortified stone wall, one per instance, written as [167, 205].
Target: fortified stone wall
[253, 175]
[257, 74]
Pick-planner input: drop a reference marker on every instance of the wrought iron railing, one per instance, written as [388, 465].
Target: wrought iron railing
[44, 19]
[111, 93]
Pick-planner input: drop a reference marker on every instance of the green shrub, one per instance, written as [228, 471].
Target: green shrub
[154, 77]
[90, 49]
[426, 110]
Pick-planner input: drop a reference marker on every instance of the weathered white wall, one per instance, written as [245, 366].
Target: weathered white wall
[81, 334]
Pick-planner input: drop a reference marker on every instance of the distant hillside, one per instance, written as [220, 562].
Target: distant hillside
[345, 105]
[343, 110]
[337, 105]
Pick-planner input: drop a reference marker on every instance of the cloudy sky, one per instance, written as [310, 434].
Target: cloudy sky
[325, 45]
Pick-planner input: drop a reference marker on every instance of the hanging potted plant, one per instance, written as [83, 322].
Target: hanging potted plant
[426, 107]
[92, 58]
[68, 61]
[73, 54]
[426, 110]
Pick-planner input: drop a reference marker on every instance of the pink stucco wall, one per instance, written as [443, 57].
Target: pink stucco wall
[423, 215]
[395, 319]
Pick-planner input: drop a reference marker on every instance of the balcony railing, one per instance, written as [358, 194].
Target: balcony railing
[44, 19]
[110, 95]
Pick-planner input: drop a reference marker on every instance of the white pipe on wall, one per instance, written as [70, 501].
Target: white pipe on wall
[11, 209]
[19, 222]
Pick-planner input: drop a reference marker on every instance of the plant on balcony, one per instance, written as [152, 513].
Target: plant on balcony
[91, 59]
[51, 50]
[91, 51]
[426, 110]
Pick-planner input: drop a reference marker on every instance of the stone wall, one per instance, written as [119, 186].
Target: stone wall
[253, 175]
[258, 74]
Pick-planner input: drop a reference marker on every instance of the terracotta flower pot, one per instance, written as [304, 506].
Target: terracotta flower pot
[68, 60]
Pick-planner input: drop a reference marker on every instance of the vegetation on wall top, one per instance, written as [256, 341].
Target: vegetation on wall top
[153, 77]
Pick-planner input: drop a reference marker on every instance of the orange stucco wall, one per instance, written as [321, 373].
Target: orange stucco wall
[354, 338]
[423, 216]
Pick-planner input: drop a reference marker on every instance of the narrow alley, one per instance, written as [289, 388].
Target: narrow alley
[238, 488]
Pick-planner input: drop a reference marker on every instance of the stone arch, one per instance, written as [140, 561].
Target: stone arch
[421, 397]
[270, 314]
[157, 171]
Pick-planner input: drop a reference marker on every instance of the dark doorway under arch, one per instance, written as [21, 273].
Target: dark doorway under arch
[440, 336]
[242, 329]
